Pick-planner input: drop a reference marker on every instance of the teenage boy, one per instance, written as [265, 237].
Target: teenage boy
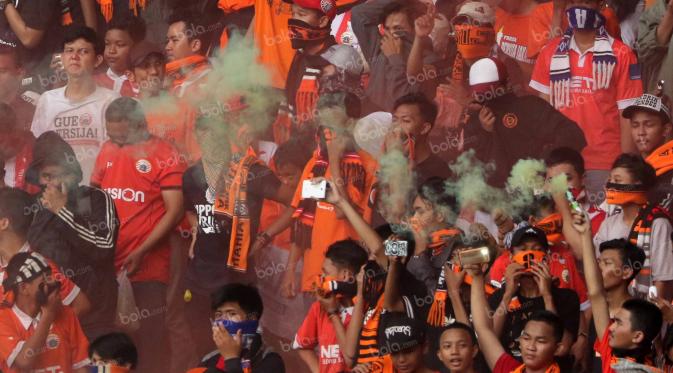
[458, 348]
[651, 130]
[631, 330]
[404, 339]
[334, 294]
[528, 288]
[237, 309]
[115, 352]
[36, 320]
[540, 339]
[149, 204]
[76, 112]
[590, 78]
[120, 37]
[76, 226]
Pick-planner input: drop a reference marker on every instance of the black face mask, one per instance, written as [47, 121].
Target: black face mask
[46, 290]
[303, 35]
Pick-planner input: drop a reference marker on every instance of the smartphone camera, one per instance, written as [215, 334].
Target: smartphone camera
[396, 248]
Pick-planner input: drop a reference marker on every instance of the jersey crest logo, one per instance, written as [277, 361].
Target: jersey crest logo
[143, 166]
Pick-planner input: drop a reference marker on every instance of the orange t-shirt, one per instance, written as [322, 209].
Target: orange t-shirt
[327, 228]
[522, 36]
[595, 112]
[65, 348]
[273, 38]
[134, 176]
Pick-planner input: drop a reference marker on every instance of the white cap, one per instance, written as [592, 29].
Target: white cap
[344, 57]
[477, 11]
[487, 70]
[370, 132]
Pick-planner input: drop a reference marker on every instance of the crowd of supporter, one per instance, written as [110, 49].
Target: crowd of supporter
[327, 186]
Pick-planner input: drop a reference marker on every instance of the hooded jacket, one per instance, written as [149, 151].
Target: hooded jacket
[81, 237]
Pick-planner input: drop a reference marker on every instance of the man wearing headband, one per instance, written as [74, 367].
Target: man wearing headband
[37, 319]
[641, 222]
[652, 131]
[590, 78]
[504, 128]
[529, 287]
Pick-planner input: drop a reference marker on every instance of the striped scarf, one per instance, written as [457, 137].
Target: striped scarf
[641, 236]
[306, 98]
[368, 349]
[106, 7]
[604, 62]
[233, 204]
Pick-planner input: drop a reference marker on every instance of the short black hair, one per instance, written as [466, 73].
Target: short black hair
[293, 152]
[126, 109]
[134, 26]
[631, 255]
[17, 206]
[246, 296]
[433, 190]
[645, 317]
[411, 8]
[641, 171]
[567, 155]
[86, 33]
[194, 23]
[347, 254]
[550, 319]
[7, 118]
[115, 346]
[461, 326]
[426, 108]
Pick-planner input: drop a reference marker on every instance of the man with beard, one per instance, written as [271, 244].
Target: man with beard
[36, 320]
[76, 227]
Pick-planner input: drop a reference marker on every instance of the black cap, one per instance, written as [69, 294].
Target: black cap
[398, 333]
[24, 267]
[524, 233]
[142, 50]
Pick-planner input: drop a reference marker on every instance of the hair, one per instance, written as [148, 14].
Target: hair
[115, 346]
[645, 317]
[293, 152]
[641, 171]
[630, 254]
[7, 118]
[567, 155]
[16, 205]
[134, 26]
[426, 108]
[347, 254]
[461, 326]
[246, 296]
[550, 319]
[86, 33]
[411, 8]
[194, 22]
[126, 109]
[14, 52]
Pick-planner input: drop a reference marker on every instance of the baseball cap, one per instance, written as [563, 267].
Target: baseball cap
[142, 50]
[24, 267]
[476, 11]
[487, 71]
[344, 57]
[399, 333]
[651, 103]
[524, 233]
[327, 7]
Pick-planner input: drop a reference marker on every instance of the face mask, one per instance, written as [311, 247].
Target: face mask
[246, 326]
[474, 41]
[342, 289]
[528, 257]
[622, 194]
[584, 18]
[303, 35]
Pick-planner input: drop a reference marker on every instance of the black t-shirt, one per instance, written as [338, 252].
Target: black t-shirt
[207, 269]
[432, 166]
[567, 305]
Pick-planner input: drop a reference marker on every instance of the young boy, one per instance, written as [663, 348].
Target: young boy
[458, 348]
[343, 261]
[404, 339]
[120, 37]
[113, 353]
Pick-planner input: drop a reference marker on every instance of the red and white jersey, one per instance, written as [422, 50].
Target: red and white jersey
[134, 176]
[116, 83]
[69, 291]
[64, 350]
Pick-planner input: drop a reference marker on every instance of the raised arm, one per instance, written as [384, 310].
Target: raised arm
[488, 341]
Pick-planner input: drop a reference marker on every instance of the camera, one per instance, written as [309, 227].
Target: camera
[396, 248]
[477, 255]
[310, 189]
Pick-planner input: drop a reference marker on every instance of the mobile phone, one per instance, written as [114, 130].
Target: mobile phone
[310, 189]
[478, 255]
[652, 292]
[396, 248]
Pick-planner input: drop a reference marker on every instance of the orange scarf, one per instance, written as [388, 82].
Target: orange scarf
[554, 368]
[552, 226]
[440, 238]
[368, 350]
[179, 69]
[662, 158]
[622, 194]
[106, 7]
[474, 41]
[233, 204]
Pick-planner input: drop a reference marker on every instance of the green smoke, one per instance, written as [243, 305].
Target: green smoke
[397, 184]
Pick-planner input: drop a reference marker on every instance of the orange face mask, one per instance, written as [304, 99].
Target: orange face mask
[622, 194]
[528, 257]
[474, 41]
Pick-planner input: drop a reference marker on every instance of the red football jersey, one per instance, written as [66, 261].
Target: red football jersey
[134, 176]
